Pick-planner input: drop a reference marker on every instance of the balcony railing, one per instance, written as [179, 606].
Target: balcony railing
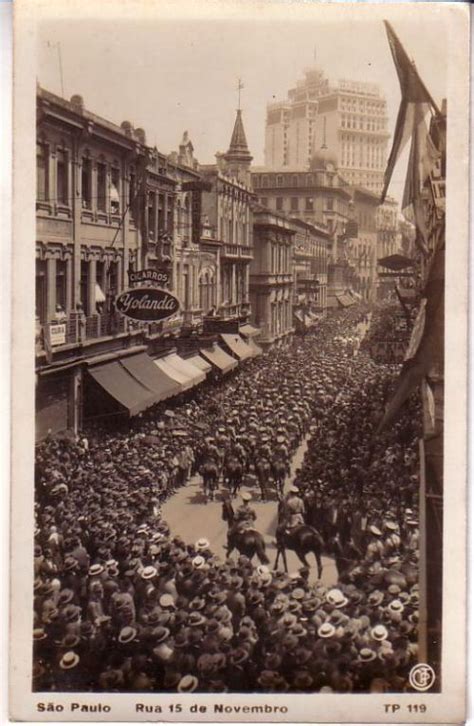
[192, 318]
[234, 250]
[78, 329]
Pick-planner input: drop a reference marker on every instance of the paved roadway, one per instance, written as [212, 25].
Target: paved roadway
[189, 516]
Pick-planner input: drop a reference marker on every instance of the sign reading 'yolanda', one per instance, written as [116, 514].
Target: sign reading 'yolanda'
[147, 304]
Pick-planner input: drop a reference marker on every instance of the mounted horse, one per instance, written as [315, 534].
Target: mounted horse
[233, 473]
[210, 477]
[263, 470]
[248, 542]
[280, 471]
[301, 539]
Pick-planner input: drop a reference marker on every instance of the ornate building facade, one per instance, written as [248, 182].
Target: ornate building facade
[271, 277]
[310, 270]
[227, 239]
[107, 205]
[351, 116]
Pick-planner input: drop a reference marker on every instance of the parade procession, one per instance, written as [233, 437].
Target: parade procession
[239, 397]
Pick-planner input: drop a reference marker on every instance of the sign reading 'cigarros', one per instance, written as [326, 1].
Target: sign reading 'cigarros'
[147, 304]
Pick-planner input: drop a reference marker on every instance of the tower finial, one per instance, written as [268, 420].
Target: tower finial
[240, 86]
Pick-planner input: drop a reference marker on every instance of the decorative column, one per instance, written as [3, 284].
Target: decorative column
[76, 228]
[233, 294]
[119, 274]
[69, 286]
[91, 278]
[50, 288]
[124, 216]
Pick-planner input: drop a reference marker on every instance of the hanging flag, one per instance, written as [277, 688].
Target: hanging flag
[423, 159]
[403, 304]
[429, 352]
[414, 93]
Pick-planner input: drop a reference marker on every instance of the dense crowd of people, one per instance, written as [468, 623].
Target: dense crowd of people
[123, 604]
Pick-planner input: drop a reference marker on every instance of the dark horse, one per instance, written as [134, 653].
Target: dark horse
[248, 542]
[279, 471]
[233, 473]
[302, 539]
[210, 477]
[263, 470]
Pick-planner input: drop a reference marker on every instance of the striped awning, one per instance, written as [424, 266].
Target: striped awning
[237, 346]
[200, 362]
[168, 366]
[250, 331]
[219, 358]
[190, 370]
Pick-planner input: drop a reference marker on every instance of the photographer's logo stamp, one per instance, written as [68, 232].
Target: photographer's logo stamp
[422, 677]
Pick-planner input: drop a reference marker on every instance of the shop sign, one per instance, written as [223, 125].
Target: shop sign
[159, 277]
[147, 304]
[57, 334]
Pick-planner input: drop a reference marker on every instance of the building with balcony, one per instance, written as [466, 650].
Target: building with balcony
[310, 272]
[351, 116]
[271, 277]
[226, 243]
[362, 248]
[187, 259]
[388, 240]
[106, 206]
[320, 197]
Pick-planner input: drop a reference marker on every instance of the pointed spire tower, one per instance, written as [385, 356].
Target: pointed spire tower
[238, 157]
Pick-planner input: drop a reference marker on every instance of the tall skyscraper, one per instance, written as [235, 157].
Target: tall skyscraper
[348, 117]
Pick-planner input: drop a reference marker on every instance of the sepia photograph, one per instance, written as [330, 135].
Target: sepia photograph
[237, 477]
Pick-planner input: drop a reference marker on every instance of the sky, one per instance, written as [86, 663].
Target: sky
[169, 75]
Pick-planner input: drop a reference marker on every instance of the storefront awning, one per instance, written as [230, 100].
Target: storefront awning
[114, 378]
[219, 358]
[249, 330]
[345, 300]
[166, 366]
[256, 348]
[199, 362]
[237, 345]
[143, 369]
[187, 368]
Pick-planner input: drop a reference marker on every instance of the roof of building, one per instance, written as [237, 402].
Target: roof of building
[238, 149]
[76, 106]
[311, 226]
[281, 220]
[366, 193]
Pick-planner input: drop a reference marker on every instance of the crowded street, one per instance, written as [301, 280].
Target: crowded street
[156, 542]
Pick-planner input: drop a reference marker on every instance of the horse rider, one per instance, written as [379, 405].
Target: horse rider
[293, 508]
[281, 449]
[239, 452]
[212, 452]
[245, 516]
